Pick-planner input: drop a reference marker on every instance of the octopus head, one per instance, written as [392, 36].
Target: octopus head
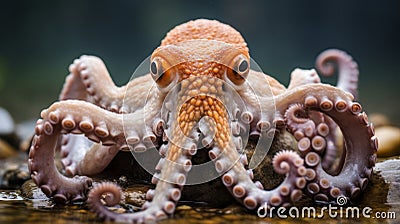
[199, 58]
[198, 64]
[200, 48]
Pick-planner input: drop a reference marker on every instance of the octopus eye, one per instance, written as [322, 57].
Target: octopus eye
[156, 68]
[239, 71]
[153, 68]
[243, 66]
[161, 76]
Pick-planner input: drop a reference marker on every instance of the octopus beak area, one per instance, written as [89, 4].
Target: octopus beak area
[201, 116]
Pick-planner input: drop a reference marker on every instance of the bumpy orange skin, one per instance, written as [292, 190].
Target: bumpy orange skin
[202, 51]
[179, 50]
[204, 29]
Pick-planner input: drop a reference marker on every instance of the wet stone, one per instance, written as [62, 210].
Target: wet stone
[390, 172]
[9, 196]
[15, 178]
[265, 173]
[30, 190]
[6, 150]
[13, 172]
[136, 195]
[389, 141]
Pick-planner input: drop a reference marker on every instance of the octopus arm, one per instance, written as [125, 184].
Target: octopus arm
[263, 84]
[90, 80]
[358, 133]
[259, 107]
[331, 60]
[251, 194]
[98, 125]
[170, 177]
[78, 154]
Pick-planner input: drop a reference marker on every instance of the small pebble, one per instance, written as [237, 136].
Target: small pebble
[389, 141]
[7, 123]
[6, 150]
[379, 120]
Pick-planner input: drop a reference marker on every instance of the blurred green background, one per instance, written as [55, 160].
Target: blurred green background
[39, 39]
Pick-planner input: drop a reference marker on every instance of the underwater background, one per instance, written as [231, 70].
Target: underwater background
[39, 39]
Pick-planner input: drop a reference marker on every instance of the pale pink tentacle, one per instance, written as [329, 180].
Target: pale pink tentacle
[45, 174]
[161, 201]
[91, 73]
[70, 116]
[360, 142]
[78, 154]
[89, 80]
[327, 63]
[170, 177]
[251, 194]
[333, 60]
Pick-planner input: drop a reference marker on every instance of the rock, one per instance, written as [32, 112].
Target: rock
[379, 120]
[6, 150]
[30, 190]
[10, 196]
[264, 172]
[389, 170]
[25, 132]
[211, 193]
[14, 178]
[6, 122]
[13, 172]
[389, 141]
[25, 129]
[9, 140]
[136, 195]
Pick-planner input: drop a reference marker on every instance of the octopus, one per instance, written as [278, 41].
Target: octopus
[203, 94]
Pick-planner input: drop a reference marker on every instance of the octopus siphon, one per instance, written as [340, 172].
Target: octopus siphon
[203, 93]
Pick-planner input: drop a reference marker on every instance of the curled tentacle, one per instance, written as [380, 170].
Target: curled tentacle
[360, 142]
[70, 116]
[305, 123]
[331, 60]
[327, 63]
[230, 164]
[45, 174]
[252, 195]
[170, 176]
[113, 195]
[298, 122]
